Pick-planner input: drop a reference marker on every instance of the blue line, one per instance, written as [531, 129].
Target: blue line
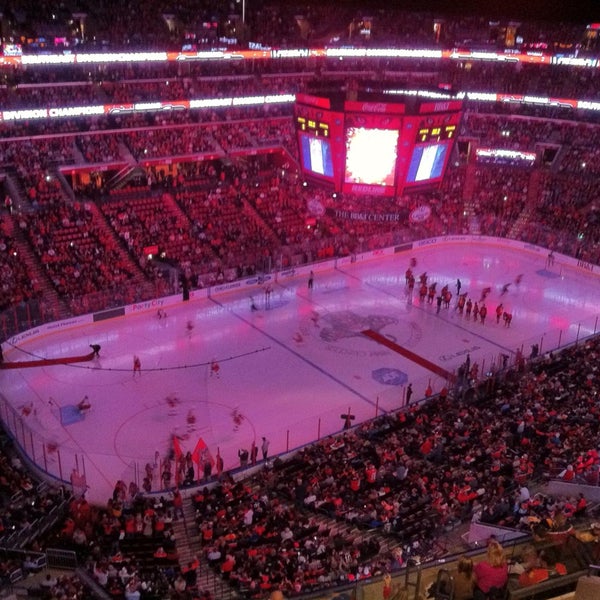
[300, 356]
[419, 307]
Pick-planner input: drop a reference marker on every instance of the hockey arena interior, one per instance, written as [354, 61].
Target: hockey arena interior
[299, 301]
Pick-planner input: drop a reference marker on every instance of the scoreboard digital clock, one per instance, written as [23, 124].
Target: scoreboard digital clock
[317, 128]
[435, 134]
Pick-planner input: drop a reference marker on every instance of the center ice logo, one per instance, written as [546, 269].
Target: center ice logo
[347, 324]
[341, 330]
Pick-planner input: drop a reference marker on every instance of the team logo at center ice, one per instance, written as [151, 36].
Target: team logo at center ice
[347, 324]
[342, 334]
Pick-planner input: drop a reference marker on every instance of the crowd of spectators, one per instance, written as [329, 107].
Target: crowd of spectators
[52, 95]
[231, 136]
[24, 500]
[412, 475]
[520, 79]
[310, 224]
[286, 80]
[222, 219]
[17, 282]
[123, 84]
[129, 547]
[285, 210]
[196, 87]
[582, 160]
[70, 246]
[513, 133]
[500, 195]
[297, 525]
[168, 142]
[409, 475]
[449, 205]
[27, 507]
[258, 541]
[566, 216]
[31, 158]
[154, 220]
[99, 148]
[143, 25]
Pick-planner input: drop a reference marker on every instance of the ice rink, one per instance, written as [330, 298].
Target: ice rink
[291, 369]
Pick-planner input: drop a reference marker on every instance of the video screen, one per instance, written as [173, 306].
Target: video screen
[427, 162]
[371, 156]
[316, 155]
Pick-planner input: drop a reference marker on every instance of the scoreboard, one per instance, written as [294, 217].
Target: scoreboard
[316, 128]
[319, 131]
[435, 134]
[374, 147]
[431, 146]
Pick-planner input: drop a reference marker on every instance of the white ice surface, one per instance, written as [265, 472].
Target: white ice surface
[291, 369]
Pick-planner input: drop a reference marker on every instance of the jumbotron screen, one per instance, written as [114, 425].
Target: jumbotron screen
[371, 156]
[427, 162]
[431, 149]
[316, 155]
[375, 147]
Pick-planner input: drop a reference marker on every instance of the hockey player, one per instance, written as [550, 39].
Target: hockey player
[475, 311]
[483, 313]
[499, 312]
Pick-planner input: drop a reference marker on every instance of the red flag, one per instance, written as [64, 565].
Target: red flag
[177, 448]
[201, 453]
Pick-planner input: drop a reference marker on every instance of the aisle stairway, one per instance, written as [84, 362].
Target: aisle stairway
[273, 240]
[469, 201]
[144, 287]
[470, 182]
[189, 547]
[533, 192]
[15, 188]
[49, 294]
